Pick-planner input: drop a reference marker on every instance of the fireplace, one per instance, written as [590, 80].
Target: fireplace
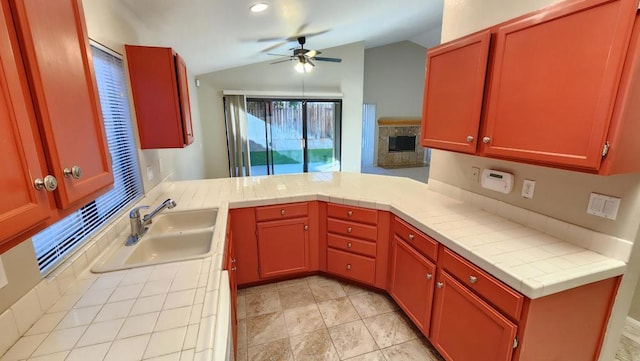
[402, 143]
[397, 143]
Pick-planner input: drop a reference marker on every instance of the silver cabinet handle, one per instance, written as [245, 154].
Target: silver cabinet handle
[411, 236]
[439, 284]
[473, 279]
[234, 268]
[282, 212]
[233, 260]
[486, 140]
[349, 229]
[429, 276]
[50, 183]
[349, 213]
[75, 172]
[348, 244]
[469, 139]
[306, 227]
[348, 267]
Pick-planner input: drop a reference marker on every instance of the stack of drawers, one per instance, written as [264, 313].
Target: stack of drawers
[351, 240]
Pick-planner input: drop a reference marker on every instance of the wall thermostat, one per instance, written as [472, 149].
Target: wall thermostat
[497, 181]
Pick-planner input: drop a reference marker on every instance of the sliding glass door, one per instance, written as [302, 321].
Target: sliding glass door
[293, 136]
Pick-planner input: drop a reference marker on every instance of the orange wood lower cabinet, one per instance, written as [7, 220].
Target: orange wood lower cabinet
[283, 247]
[352, 266]
[465, 328]
[243, 229]
[411, 283]
[230, 266]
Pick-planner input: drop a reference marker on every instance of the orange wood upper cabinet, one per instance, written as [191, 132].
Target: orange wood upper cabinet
[554, 82]
[453, 93]
[411, 283]
[22, 206]
[466, 328]
[159, 86]
[283, 247]
[57, 57]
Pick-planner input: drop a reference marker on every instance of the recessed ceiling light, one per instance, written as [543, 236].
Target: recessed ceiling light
[259, 7]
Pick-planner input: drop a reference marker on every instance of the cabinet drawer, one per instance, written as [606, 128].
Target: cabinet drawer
[352, 245]
[351, 265]
[418, 240]
[281, 211]
[486, 286]
[355, 214]
[352, 229]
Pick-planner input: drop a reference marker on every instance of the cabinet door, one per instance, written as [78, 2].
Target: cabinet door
[453, 93]
[66, 95]
[554, 82]
[412, 282]
[22, 207]
[283, 247]
[230, 265]
[243, 230]
[465, 328]
[185, 104]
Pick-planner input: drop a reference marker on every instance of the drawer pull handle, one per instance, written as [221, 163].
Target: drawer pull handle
[348, 267]
[348, 244]
[411, 236]
[439, 284]
[429, 276]
[349, 229]
[282, 212]
[473, 279]
[349, 213]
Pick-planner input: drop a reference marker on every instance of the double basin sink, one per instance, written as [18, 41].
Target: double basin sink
[171, 237]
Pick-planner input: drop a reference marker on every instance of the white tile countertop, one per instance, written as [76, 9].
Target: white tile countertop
[168, 311]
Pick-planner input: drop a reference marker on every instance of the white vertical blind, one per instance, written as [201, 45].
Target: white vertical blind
[60, 239]
[368, 133]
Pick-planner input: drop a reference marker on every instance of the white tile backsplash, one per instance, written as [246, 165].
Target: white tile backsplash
[9, 329]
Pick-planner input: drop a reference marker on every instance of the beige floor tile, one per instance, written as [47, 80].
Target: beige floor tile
[273, 351]
[314, 346]
[242, 334]
[627, 350]
[352, 339]
[389, 329]
[296, 296]
[266, 328]
[371, 356]
[415, 350]
[293, 282]
[269, 287]
[338, 311]
[351, 289]
[319, 278]
[241, 307]
[303, 319]
[242, 355]
[370, 304]
[326, 290]
[262, 303]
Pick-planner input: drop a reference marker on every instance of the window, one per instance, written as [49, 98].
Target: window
[60, 239]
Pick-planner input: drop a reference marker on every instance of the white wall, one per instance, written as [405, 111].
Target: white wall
[560, 194]
[346, 77]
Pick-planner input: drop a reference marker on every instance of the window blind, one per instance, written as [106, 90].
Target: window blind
[53, 244]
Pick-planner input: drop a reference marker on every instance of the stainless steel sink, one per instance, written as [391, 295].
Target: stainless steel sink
[175, 236]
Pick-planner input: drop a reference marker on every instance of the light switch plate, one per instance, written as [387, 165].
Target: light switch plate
[475, 173]
[528, 186]
[3, 275]
[603, 206]
[150, 173]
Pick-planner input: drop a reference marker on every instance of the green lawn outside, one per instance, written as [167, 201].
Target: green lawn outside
[292, 156]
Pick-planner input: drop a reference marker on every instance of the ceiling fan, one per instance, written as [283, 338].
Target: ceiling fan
[305, 57]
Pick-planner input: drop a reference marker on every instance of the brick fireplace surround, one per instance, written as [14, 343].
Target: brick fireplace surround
[399, 127]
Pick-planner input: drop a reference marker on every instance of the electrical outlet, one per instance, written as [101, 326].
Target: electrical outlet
[528, 186]
[150, 175]
[475, 173]
[603, 206]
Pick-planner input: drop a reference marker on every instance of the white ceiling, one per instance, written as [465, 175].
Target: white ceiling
[217, 34]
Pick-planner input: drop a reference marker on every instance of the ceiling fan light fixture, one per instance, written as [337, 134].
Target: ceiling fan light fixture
[303, 67]
[259, 7]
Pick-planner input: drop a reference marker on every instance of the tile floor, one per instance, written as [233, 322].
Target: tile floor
[318, 318]
[421, 174]
[629, 347]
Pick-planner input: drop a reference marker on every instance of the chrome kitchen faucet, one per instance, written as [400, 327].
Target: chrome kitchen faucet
[139, 226]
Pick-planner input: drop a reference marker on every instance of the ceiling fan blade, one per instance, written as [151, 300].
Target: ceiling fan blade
[312, 53]
[281, 61]
[277, 54]
[268, 49]
[333, 60]
[307, 35]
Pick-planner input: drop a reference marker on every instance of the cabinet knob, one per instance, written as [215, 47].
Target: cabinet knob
[348, 244]
[234, 268]
[350, 213]
[439, 284]
[75, 172]
[411, 236]
[469, 139]
[306, 227]
[429, 276]
[282, 212]
[348, 267]
[473, 279]
[233, 260]
[50, 183]
[486, 140]
[349, 229]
